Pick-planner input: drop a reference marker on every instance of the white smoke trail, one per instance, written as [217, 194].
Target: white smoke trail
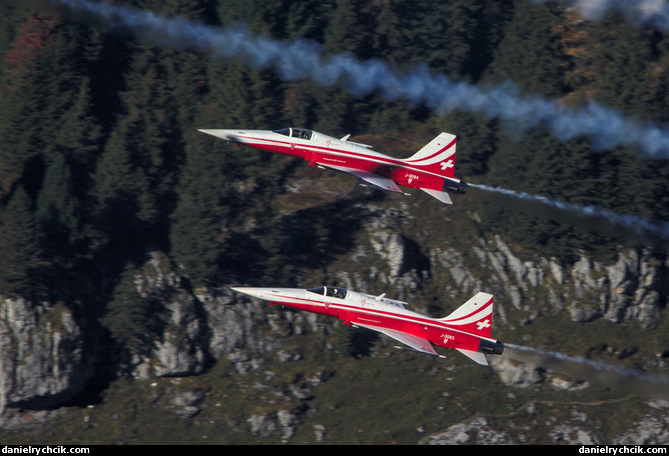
[566, 363]
[642, 13]
[303, 59]
[638, 225]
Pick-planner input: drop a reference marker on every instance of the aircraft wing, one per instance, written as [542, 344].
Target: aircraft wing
[374, 179]
[417, 343]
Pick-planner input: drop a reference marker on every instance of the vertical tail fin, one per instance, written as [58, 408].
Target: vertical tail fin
[474, 316]
[438, 156]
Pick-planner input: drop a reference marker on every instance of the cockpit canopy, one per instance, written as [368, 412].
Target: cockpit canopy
[334, 292]
[301, 133]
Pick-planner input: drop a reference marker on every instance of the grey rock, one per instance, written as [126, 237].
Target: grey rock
[44, 358]
[476, 431]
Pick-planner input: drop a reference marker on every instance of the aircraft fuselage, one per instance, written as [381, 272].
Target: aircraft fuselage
[382, 314]
[329, 152]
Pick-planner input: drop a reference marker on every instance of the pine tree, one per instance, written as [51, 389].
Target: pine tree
[197, 237]
[530, 54]
[136, 174]
[79, 138]
[127, 315]
[56, 212]
[19, 247]
[119, 187]
[349, 29]
[623, 58]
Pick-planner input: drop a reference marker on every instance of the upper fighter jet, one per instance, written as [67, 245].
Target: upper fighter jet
[467, 329]
[431, 169]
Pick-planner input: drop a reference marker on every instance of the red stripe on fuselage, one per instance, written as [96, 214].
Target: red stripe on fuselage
[347, 158]
[437, 332]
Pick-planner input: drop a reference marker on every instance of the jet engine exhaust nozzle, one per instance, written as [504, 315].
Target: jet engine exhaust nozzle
[491, 348]
[462, 187]
[458, 187]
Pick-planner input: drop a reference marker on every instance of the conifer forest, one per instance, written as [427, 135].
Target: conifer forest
[122, 227]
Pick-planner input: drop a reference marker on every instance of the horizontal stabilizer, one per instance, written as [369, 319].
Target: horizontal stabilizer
[476, 356]
[441, 196]
[374, 179]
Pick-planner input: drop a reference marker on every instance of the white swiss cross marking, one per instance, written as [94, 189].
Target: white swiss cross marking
[483, 324]
[447, 164]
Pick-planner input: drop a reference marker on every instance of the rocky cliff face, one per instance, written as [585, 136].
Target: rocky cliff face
[633, 288]
[180, 345]
[47, 358]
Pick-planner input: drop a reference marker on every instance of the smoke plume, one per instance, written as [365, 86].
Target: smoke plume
[642, 13]
[641, 226]
[303, 59]
[649, 385]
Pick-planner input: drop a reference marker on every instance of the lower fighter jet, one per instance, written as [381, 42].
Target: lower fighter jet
[466, 330]
[431, 169]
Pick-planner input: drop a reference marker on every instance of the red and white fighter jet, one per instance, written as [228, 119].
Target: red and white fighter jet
[431, 169]
[467, 329]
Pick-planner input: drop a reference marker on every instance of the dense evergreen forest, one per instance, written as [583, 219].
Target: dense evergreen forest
[101, 161]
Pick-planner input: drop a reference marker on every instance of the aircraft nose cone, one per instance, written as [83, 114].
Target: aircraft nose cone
[251, 291]
[228, 135]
